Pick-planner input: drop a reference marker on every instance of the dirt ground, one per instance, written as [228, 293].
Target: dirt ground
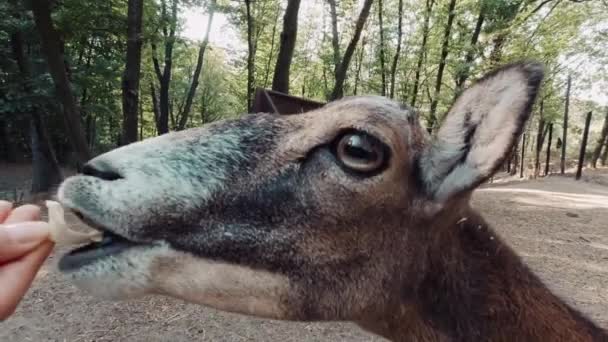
[558, 225]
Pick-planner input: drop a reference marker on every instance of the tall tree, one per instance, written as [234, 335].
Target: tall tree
[600, 142]
[169, 24]
[155, 105]
[51, 46]
[565, 127]
[280, 81]
[251, 51]
[422, 51]
[45, 168]
[359, 65]
[442, 62]
[523, 155]
[398, 49]
[272, 44]
[338, 91]
[184, 115]
[335, 39]
[382, 62]
[540, 136]
[548, 157]
[463, 72]
[604, 156]
[130, 80]
[514, 160]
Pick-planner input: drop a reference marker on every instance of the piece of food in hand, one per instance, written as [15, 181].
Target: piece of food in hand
[61, 232]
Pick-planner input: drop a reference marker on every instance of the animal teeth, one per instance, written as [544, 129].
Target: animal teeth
[61, 232]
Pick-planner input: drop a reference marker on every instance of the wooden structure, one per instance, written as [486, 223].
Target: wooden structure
[270, 101]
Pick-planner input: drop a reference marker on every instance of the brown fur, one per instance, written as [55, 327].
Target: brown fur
[259, 216]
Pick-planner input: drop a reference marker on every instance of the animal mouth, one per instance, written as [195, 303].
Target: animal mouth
[110, 245]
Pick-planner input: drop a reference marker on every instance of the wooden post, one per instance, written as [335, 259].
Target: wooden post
[548, 149]
[539, 141]
[565, 127]
[581, 156]
[523, 154]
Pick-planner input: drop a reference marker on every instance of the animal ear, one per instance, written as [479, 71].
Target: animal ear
[479, 130]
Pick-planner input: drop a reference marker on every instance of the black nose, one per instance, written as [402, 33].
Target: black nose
[101, 170]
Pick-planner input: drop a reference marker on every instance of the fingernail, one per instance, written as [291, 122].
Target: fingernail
[26, 232]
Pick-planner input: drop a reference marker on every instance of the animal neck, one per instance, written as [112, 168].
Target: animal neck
[474, 287]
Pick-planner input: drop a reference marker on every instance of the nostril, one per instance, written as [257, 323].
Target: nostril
[101, 171]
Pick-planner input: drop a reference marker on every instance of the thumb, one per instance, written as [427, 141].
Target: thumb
[17, 239]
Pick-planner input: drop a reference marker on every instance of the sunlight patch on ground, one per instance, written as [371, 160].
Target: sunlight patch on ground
[589, 266]
[562, 242]
[554, 199]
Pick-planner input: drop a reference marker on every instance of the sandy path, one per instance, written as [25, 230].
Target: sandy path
[558, 225]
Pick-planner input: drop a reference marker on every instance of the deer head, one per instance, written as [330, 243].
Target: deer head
[326, 215]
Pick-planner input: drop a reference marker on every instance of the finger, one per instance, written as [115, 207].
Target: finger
[5, 209]
[18, 239]
[16, 278]
[26, 212]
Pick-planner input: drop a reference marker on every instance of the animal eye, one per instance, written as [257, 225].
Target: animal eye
[360, 152]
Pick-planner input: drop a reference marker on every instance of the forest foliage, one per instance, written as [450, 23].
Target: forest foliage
[128, 80]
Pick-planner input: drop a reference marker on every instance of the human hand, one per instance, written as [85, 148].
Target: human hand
[24, 245]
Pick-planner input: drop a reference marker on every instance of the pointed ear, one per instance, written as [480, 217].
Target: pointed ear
[479, 130]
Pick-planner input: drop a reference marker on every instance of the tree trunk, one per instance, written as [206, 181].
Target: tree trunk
[280, 81]
[163, 119]
[509, 160]
[523, 156]
[274, 31]
[565, 127]
[164, 76]
[250, 56]
[141, 118]
[359, 64]
[539, 141]
[548, 159]
[515, 160]
[604, 157]
[197, 72]
[600, 142]
[165, 83]
[382, 63]
[444, 54]
[421, 53]
[583, 150]
[83, 97]
[335, 39]
[155, 108]
[397, 51]
[496, 54]
[171, 115]
[51, 47]
[338, 91]
[463, 74]
[89, 124]
[325, 83]
[45, 168]
[7, 143]
[130, 80]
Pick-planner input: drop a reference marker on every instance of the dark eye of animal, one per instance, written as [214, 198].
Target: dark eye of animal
[360, 152]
